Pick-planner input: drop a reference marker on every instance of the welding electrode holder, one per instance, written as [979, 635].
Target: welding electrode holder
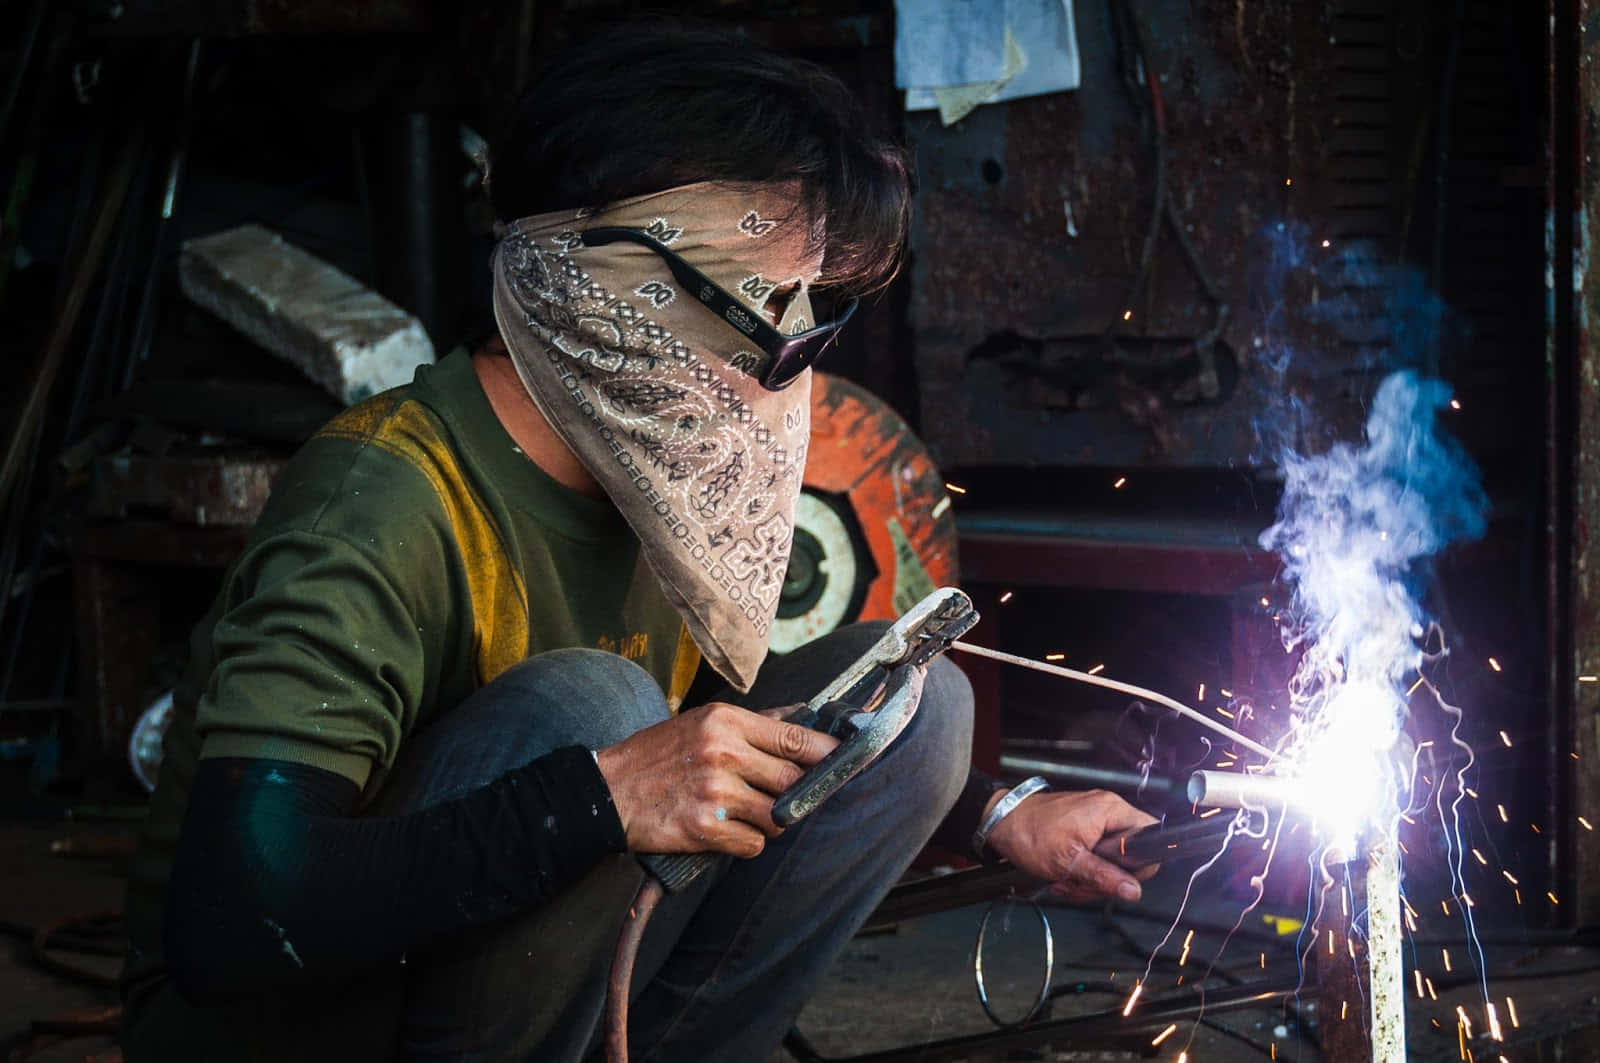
[862, 735]
[866, 707]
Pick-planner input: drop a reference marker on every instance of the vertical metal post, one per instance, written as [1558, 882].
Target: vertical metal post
[1386, 979]
[1356, 973]
[1339, 962]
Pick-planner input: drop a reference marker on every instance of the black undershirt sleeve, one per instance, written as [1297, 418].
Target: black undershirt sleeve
[277, 884]
[955, 833]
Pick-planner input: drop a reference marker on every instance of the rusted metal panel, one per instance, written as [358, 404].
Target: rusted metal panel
[1032, 216]
[225, 490]
[1574, 467]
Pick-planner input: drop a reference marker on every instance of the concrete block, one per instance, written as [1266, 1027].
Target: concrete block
[346, 337]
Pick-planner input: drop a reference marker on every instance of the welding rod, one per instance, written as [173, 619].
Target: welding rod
[1112, 684]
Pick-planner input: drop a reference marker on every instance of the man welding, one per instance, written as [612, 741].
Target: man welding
[435, 706]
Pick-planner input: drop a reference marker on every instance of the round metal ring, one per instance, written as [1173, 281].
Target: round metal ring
[1049, 965]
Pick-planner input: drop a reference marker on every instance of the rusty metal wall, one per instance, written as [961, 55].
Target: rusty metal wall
[1031, 217]
[1573, 457]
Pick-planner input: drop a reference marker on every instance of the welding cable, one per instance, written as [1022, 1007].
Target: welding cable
[43, 943]
[1133, 63]
[644, 905]
[1143, 86]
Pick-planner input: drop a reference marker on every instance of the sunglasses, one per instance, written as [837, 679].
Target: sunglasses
[786, 356]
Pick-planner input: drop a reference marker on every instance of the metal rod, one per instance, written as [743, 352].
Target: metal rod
[1385, 965]
[1085, 774]
[1125, 688]
[1237, 789]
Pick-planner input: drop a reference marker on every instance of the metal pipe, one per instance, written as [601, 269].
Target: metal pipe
[1085, 774]
[1237, 789]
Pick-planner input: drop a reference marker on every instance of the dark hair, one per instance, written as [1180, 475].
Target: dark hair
[643, 107]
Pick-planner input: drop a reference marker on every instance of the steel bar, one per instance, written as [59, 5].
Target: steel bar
[1086, 775]
[1385, 965]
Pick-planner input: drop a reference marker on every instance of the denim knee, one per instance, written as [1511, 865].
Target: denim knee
[599, 698]
[931, 769]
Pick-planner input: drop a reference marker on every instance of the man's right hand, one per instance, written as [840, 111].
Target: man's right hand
[705, 780]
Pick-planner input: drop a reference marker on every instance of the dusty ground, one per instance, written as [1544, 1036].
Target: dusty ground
[894, 989]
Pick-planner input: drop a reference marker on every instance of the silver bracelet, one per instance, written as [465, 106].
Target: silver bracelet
[1003, 808]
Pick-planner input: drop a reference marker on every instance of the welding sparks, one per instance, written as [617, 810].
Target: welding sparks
[1506, 739]
[1127, 1009]
[1055, 656]
[1006, 597]
[1585, 823]
[1164, 1034]
[953, 489]
[1495, 664]
[1511, 1013]
[1097, 669]
[1120, 481]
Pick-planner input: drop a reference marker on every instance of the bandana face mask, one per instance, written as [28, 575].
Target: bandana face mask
[650, 368]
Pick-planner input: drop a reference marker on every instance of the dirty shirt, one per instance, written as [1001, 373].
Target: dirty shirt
[410, 554]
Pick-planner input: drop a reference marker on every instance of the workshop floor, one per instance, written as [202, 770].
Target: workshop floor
[909, 985]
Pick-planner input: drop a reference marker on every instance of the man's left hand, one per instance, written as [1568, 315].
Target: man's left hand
[1052, 836]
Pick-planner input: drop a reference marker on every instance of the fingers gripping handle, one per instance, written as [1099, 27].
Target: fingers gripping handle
[902, 652]
[873, 735]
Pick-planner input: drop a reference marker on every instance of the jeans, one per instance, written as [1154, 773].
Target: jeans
[725, 965]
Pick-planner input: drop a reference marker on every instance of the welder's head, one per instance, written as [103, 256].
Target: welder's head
[645, 107]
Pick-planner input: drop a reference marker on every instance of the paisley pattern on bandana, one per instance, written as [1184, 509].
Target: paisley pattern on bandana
[652, 391]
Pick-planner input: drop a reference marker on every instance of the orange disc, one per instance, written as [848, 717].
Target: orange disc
[873, 529]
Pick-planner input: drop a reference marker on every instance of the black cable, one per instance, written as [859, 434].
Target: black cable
[1143, 86]
[1134, 66]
